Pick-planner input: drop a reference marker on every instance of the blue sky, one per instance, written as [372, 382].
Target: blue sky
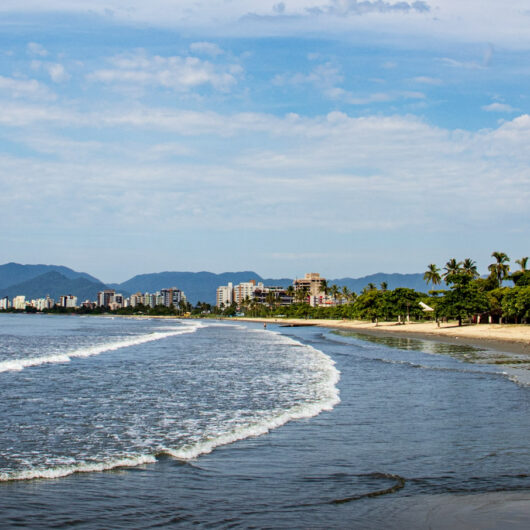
[340, 136]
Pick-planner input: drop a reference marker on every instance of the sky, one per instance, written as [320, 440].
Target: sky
[336, 136]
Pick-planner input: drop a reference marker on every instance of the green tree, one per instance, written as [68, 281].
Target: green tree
[452, 268]
[371, 305]
[404, 302]
[432, 275]
[335, 292]
[516, 304]
[346, 293]
[500, 268]
[470, 268]
[522, 262]
[463, 300]
[301, 295]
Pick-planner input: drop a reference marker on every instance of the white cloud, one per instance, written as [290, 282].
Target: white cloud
[176, 73]
[206, 48]
[354, 7]
[499, 107]
[477, 21]
[326, 164]
[34, 48]
[325, 77]
[426, 80]
[58, 73]
[24, 88]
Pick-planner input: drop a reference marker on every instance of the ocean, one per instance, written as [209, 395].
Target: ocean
[146, 423]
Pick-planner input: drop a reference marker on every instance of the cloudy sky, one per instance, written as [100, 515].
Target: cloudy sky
[340, 136]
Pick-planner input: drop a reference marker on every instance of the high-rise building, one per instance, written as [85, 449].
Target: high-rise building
[19, 302]
[312, 281]
[106, 297]
[172, 297]
[68, 300]
[225, 295]
[245, 290]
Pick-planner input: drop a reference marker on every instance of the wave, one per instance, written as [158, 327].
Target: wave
[21, 364]
[328, 393]
[330, 398]
[81, 467]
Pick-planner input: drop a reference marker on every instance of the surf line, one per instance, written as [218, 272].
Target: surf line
[16, 365]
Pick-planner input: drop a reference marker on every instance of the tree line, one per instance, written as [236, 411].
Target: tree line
[458, 292]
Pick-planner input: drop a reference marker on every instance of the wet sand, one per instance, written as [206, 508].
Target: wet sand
[484, 511]
[513, 338]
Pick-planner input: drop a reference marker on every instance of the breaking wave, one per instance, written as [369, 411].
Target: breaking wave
[326, 397]
[21, 364]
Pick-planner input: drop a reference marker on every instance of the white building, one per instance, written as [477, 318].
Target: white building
[39, 304]
[68, 300]
[19, 302]
[246, 290]
[136, 299]
[4, 303]
[110, 298]
[225, 295]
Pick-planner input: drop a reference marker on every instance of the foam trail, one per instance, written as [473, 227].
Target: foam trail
[20, 364]
[85, 467]
[329, 399]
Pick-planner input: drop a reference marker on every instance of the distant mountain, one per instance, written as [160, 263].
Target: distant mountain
[54, 284]
[15, 273]
[35, 281]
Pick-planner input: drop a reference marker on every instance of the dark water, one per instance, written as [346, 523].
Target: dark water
[410, 424]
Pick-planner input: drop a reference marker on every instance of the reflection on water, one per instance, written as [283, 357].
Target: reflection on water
[461, 352]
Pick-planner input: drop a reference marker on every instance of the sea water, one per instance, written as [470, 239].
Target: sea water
[109, 422]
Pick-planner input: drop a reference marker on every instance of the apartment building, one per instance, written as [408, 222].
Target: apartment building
[225, 295]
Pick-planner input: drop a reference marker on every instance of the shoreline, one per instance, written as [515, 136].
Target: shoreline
[511, 338]
[507, 338]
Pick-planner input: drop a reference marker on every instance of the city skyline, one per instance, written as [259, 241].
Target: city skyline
[340, 136]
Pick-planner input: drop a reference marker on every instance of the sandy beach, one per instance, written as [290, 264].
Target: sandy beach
[502, 337]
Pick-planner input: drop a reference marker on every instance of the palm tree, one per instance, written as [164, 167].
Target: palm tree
[452, 267]
[301, 294]
[370, 287]
[470, 268]
[432, 275]
[335, 293]
[290, 291]
[270, 299]
[346, 293]
[384, 286]
[500, 268]
[522, 262]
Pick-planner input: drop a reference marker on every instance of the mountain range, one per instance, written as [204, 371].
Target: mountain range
[37, 281]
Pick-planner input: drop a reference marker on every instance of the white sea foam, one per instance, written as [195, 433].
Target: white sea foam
[82, 467]
[89, 351]
[327, 397]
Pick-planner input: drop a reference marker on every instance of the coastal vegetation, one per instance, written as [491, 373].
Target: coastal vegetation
[463, 295]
